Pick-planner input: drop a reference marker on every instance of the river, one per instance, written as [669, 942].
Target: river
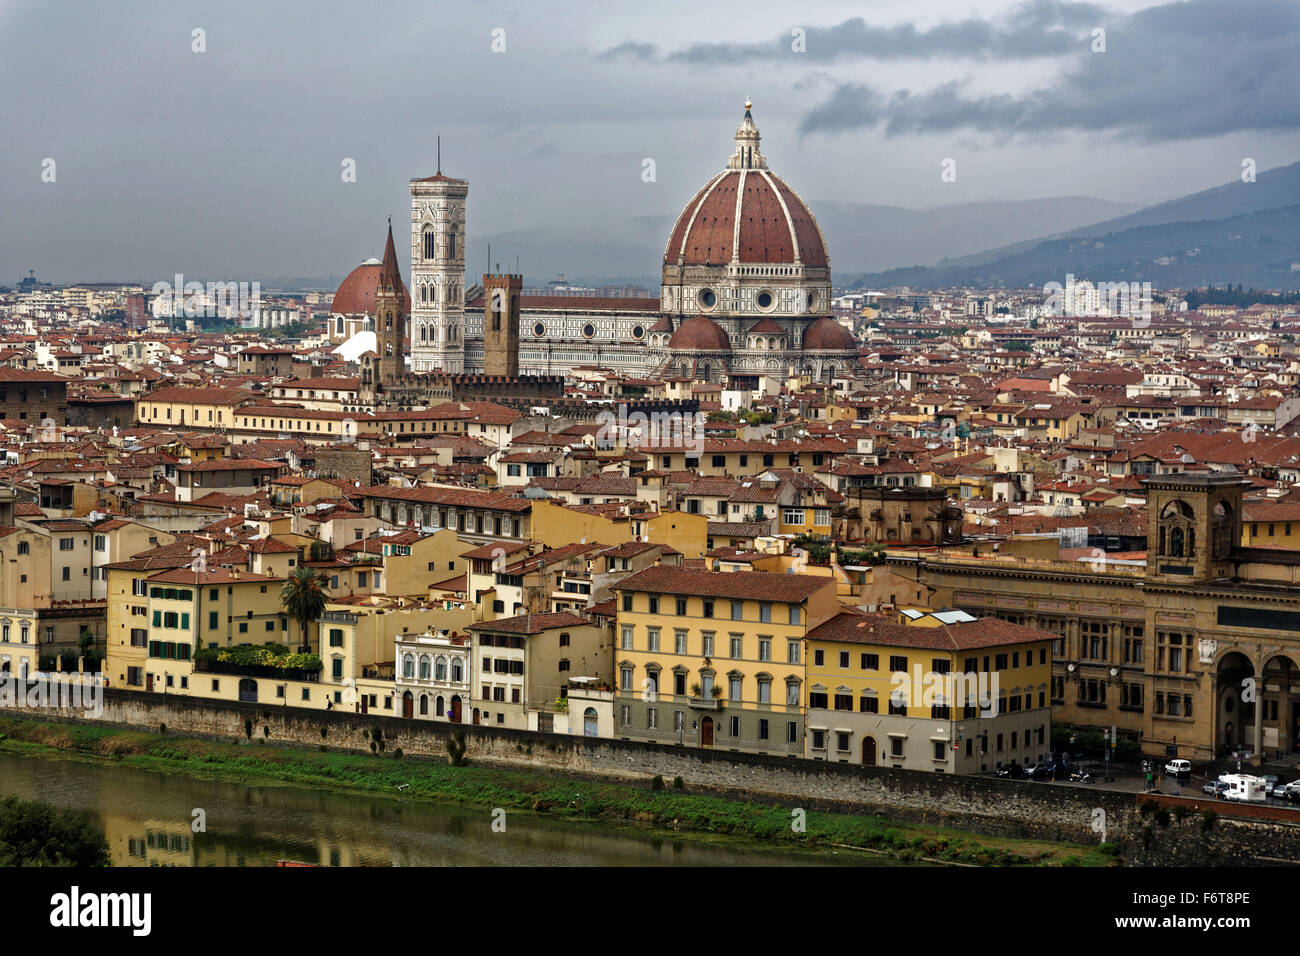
[147, 818]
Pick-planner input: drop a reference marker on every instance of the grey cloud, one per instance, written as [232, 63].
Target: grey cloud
[1176, 71]
[630, 50]
[1033, 29]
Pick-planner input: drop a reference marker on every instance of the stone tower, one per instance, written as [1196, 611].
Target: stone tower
[390, 317]
[438, 273]
[381, 368]
[1193, 526]
[501, 324]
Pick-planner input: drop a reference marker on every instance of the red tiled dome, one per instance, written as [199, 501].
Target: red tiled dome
[827, 335]
[700, 333]
[356, 293]
[775, 225]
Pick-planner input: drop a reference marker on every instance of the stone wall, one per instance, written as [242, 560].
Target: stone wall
[986, 805]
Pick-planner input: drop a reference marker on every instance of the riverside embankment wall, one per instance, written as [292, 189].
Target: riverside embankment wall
[987, 805]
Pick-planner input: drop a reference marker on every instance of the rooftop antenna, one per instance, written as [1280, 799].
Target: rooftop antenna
[440, 155]
[489, 262]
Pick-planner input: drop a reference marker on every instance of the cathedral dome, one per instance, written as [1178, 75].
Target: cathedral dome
[775, 227]
[356, 294]
[701, 334]
[827, 335]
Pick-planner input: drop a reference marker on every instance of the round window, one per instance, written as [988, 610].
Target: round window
[539, 330]
[707, 298]
[765, 300]
[812, 301]
[638, 332]
[588, 330]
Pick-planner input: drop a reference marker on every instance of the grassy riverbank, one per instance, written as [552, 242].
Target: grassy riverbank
[533, 792]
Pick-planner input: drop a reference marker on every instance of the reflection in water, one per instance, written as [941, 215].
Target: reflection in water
[147, 816]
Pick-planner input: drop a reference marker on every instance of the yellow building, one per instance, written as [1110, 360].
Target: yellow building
[555, 523]
[179, 406]
[922, 690]
[716, 659]
[158, 619]
[1270, 525]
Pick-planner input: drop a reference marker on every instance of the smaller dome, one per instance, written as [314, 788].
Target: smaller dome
[356, 293]
[702, 334]
[766, 327]
[664, 324]
[827, 335]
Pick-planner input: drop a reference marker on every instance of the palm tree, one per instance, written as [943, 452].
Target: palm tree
[304, 597]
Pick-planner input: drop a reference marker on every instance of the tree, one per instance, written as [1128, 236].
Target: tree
[86, 641]
[304, 596]
[37, 834]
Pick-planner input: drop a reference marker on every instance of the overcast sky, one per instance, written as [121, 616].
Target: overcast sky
[227, 163]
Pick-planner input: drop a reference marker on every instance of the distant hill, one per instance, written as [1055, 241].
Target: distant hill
[1240, 233]
[860, 237]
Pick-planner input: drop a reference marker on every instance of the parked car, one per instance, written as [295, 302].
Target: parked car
[1178, 768]
[1012, 771]
[1215, 788]
[1039, 771]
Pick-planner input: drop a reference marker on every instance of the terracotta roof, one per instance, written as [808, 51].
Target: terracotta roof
[740, 585]
[531, 623]
[858, 628]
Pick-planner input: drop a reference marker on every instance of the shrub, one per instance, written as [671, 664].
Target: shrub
[266, 731]
[657, 783]
[677, 783]
[324, 731]
[398, 753]
[162, 728]
[248, 728]
[1207, 820]
[456, 749]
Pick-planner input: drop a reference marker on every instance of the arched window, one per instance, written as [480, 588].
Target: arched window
[424, 667]
[438, 706]
[451, 245]
[428, 244]
[424, 705]
[456, 670]
[440, 669]
[408, 666]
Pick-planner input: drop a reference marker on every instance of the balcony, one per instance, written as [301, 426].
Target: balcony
[706, 703]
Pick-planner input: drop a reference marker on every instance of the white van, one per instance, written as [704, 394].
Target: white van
[1178, 768]
[1244, 787]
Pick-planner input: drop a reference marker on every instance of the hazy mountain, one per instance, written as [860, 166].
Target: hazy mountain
[1239, 232]
[861, 237]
